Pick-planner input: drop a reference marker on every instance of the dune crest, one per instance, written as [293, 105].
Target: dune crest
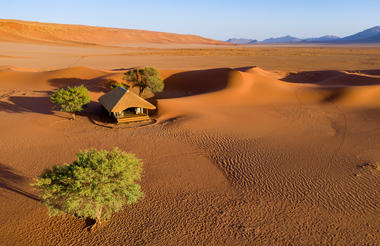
[27, 31]
[252, 86]
[262, 86]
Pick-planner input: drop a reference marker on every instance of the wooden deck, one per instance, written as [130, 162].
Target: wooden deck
[133, 118]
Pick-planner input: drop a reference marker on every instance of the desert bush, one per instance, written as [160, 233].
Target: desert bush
[94, 186]
[71, 99]
[147, 77]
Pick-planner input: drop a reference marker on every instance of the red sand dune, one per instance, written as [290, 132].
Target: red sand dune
[237, 157]
[26, 31]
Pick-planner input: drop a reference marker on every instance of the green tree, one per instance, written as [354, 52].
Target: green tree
[147, 77]
[71, 99]
[94, 186]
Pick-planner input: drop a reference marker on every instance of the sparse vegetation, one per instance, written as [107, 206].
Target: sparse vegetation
[71, 99]
[147, 77]
[94, 186]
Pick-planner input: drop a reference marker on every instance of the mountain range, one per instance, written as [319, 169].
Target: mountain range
[371, 35]
[241, 41]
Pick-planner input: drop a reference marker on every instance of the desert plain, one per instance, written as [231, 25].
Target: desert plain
[256, 145]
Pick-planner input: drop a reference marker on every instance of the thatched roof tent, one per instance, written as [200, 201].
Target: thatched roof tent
[120, 99]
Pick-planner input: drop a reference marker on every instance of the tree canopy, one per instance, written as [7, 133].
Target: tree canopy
[147, 77]
[94, 186]
[71, 99]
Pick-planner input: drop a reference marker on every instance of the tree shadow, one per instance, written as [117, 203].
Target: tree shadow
[99, 84]
[10, 180]
[12, 108]
[194, 83]
[123, 69]
[40, 105]
[64, 82]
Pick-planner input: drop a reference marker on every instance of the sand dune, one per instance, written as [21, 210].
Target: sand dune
[238, 156]
[254, 86]
[36, 32]
[208, 88]
[244, 86]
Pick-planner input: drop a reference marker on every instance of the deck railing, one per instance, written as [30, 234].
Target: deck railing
[133, 118]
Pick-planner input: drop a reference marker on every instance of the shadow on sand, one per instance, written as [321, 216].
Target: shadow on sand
[96, 113]
[333, 77]
[194, 83]
[12, 108]
[40, 105]
[10, 180]
[99, 84]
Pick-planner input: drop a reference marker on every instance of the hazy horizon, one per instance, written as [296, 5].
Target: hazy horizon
[219, 20]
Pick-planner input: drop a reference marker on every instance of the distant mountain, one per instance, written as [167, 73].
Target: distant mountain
[369, 35]
[326, 38]
[241, 41]
[285, 39]
[374, 39]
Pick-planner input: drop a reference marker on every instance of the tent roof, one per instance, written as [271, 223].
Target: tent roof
[120, 99]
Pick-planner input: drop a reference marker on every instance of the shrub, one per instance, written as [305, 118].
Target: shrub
[94, 186]
[147, 77]
[71, 99]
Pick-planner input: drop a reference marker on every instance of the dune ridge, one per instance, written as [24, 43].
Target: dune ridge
[256, 86]
[243, 85]
[27, 31]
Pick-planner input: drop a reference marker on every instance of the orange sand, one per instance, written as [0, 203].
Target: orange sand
[239, 155]
[27, 31]
[236, 157]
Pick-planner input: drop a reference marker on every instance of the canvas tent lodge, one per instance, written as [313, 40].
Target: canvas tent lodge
[125, 105]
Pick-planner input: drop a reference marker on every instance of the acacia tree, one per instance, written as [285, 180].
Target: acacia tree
[94, 186]
[147, 77]
[71, 99]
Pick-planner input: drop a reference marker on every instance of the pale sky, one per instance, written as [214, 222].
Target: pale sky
[218, 19]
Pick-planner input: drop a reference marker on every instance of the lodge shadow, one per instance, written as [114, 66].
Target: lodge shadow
[333, 77]
[99, 84]
[194, 83]
[96, 113]
[10, 180]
